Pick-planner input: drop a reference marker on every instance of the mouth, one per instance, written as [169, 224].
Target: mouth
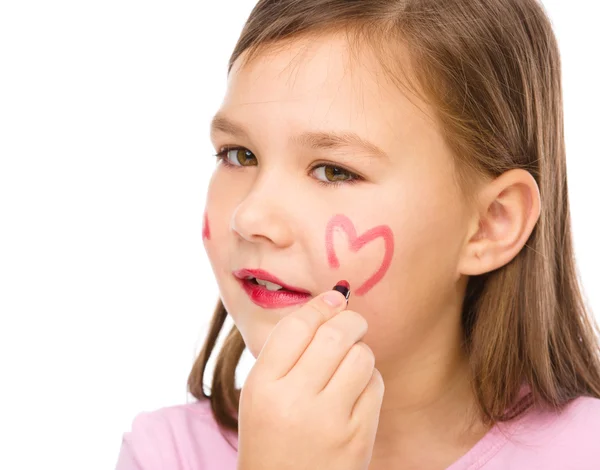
[268, 291]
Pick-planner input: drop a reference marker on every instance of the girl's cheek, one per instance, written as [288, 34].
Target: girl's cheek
[205, 227]
[208, 236]
[212, 238]
[216, 206]
[359, 251]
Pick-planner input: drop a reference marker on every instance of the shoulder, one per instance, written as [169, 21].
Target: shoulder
[579, 420]
[565, 439]
[588, 406]
[185, 437]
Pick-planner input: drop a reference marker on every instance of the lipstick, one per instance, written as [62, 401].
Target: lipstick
[344, 288]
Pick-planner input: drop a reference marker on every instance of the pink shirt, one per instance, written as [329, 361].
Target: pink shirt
[186, 437]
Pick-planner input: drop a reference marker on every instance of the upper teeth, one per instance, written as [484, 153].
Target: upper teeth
[269, 285]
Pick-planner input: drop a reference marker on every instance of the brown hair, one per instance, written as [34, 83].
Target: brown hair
[491, 71]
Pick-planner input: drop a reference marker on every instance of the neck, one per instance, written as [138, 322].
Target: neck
[428, 404]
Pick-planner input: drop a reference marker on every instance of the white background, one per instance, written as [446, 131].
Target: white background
[105, 289]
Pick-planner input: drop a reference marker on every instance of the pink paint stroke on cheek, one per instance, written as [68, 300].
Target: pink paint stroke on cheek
[356, 243]
[206, 228]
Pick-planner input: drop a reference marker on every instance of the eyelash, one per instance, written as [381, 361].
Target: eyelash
[222, 156]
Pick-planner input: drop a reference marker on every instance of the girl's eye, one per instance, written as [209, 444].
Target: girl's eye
[326, 174]
[333, 174]
[237, 156]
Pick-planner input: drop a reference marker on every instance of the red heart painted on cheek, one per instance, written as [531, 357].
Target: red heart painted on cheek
[356, 243]
[206, 228]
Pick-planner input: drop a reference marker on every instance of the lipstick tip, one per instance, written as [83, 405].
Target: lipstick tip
[344, 288]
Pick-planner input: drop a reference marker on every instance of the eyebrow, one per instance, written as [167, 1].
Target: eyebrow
[317, 140]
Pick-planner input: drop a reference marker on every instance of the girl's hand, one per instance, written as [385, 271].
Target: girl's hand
[313, 397]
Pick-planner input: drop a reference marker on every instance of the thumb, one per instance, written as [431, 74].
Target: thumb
[286, 343]
[342, 287]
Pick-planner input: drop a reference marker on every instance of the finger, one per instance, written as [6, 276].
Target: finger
[323, 356]
[351, 377]
[292, 335]
[366, 411]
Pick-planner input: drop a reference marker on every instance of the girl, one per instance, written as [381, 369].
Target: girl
[415, 149]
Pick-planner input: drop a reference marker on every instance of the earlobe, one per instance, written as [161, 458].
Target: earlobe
[508, 211]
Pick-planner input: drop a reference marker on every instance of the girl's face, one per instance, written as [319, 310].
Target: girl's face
[330, 173]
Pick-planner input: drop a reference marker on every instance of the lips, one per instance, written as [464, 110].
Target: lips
[263, 297]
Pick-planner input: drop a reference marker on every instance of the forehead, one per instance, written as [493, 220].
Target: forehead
[308, 68]
[316, 83]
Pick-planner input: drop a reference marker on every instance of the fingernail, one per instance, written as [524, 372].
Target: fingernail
[332, 299]
[344, 288]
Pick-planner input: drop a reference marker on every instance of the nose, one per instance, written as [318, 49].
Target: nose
[261, 217]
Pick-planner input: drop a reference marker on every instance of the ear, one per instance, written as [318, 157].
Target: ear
[507, 210]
